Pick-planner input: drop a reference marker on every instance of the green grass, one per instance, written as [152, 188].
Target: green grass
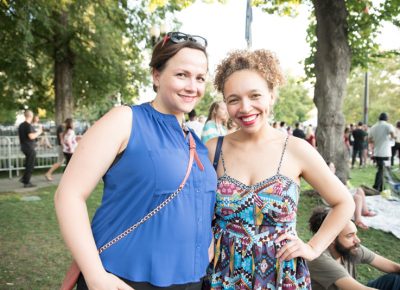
[33, 255]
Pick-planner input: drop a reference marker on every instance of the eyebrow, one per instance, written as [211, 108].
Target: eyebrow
[235, 95]
[179, 70]
[350, 234]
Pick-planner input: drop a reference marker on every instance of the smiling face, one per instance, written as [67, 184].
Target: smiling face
[181, 84]
[347, 241]
[248, 100]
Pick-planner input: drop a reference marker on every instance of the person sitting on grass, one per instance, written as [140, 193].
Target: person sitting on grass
[359, 200]
[336, 267]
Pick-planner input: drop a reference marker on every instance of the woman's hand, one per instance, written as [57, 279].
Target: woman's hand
[294, 247]
[108, 281]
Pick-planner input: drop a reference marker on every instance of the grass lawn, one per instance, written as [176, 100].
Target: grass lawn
[33, 255]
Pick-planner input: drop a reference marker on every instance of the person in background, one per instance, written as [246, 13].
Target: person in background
[351, 139]
[202, 119]
[365, 146]
[310, 136]
[359, 137]
[194, 123]
[346, 140]
[381, 135]
[70, 141]
[142, 154]
[359, 201]
[259, 169]
[289, 130]
[298, 132]
[282, 126]
[42, 141]
[36, 123]
[396, 147]
[60, 151]
[27, 135]
[336, 268]
[216, 120]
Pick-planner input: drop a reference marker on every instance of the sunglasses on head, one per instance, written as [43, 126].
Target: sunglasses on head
[178, 37]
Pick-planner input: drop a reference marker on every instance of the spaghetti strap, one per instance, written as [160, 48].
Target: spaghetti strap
[223, 162]
[218, 152]
[283, 153]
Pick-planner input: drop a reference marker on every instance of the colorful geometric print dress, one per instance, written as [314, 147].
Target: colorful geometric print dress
[248, 220]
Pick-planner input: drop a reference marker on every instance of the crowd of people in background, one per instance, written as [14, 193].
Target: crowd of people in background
[356, 137]
[33, 137]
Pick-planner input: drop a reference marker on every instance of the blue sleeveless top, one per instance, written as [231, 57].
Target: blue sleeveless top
[171, 247]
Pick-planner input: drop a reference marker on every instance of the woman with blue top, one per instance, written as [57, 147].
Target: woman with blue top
[142, 154]
[215, 123]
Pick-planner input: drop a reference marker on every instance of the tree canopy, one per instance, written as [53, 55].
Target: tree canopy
[384, 91]
[364, 22]
[101, 44]
[293, 103]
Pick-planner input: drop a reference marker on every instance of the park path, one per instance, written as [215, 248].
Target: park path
[13, 184]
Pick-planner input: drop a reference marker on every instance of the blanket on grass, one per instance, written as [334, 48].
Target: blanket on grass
[388, 214]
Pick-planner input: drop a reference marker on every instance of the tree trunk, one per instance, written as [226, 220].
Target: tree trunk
[63, 67]
[332, 66]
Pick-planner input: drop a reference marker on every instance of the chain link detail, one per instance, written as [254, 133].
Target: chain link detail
[145, 218]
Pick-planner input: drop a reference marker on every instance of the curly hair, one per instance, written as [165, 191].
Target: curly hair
[262, 61]
[317, 218]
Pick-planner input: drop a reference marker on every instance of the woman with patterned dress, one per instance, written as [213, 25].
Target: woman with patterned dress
[259, 170]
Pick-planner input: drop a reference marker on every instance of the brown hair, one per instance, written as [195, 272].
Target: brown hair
[317, 218]
[262, 61]
[68, 124]
[212, 111]
[162, 52]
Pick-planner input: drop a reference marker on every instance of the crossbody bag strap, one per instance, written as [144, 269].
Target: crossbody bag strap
[192, 155]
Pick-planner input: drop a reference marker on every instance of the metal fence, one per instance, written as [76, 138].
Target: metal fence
[12, 159]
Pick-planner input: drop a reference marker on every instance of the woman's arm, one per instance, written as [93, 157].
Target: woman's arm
[315, 171]
[95, 153]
